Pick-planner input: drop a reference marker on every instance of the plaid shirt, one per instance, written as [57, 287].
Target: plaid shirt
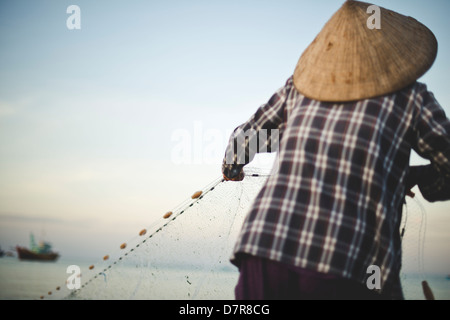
[334, 205]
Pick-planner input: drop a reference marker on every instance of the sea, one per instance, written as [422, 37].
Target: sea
[32, 280]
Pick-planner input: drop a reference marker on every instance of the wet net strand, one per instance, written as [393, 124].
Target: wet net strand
[185, 253]
[188, 256]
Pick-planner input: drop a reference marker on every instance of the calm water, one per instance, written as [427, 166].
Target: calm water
[31, 280]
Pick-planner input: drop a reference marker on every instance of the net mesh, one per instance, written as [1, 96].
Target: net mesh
[413, 241]
[185, 254]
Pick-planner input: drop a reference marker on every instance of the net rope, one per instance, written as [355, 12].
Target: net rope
[185, 253]
[182, 255]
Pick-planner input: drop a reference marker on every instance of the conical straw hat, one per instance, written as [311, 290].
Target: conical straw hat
[348, 61]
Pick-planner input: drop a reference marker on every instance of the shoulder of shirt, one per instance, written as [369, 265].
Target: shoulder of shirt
[417, 86]
[416, 90]
[289, 81]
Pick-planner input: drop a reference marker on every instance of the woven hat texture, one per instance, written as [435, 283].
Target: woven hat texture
[349, 61]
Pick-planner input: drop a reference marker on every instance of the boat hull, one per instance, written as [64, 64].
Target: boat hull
[25, 254]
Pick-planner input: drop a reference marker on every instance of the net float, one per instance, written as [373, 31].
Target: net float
[42, 297]
[143, 231]
[91, 267]
[123, 246]
[106, 257]
[49, 293]
[57, 288]
[197, 194]
[167, 215]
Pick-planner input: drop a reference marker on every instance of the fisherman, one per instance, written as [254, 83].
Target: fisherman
[347, 120]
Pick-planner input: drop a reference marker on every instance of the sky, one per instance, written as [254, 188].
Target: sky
[105, 128]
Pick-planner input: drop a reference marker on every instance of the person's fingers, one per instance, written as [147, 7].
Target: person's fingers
[240, 177]
[410, 194]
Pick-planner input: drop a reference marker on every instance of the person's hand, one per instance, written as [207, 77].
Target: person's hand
[415, 173]
[239, 177]
[233, 173]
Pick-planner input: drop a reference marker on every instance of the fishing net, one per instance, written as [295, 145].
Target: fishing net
[413, 230]
[185, 254]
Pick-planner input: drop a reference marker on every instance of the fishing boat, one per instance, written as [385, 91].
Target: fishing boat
[41, 252]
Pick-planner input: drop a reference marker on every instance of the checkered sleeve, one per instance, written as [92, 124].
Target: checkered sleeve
[261, 133]
[433, 143]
